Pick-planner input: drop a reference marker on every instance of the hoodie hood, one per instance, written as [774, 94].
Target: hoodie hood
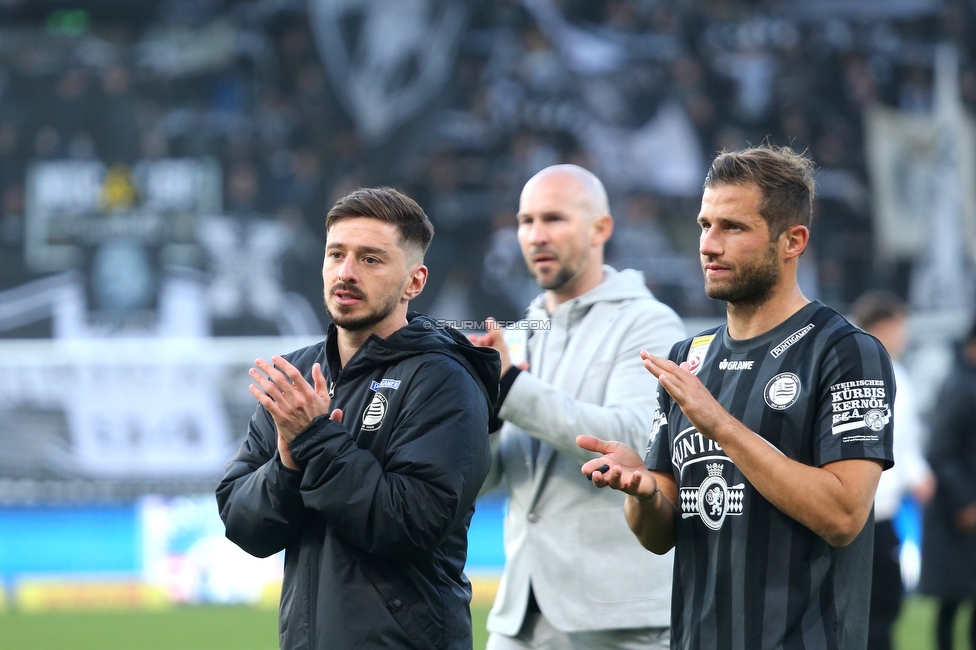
[422, 334]
[616, 286]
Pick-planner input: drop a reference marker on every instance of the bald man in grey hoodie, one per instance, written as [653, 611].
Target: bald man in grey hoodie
[567, 545]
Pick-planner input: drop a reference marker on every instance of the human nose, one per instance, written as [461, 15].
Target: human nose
[709, 243]
[347, 269]
[538, 233]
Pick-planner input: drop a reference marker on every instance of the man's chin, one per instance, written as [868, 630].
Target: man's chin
[551, 281]
[354, 323]
[347, 318]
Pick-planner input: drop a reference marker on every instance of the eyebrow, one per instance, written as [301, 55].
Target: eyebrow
[368, 250]
[547, 213]
[734, 220]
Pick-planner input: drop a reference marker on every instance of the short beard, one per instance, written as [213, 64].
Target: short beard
[752, 285]
[563, 276]
[558, 281]
[366, 321]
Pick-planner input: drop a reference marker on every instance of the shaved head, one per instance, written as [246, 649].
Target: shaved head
[581, 186]
[564, 221]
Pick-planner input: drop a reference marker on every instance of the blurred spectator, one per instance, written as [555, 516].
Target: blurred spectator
[645, 90]
[117, 128]
[949, 534]
[885, 316]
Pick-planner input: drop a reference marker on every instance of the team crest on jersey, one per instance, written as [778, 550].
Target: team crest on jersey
[782, 391]
[713, 500]
[375, 412]
[699, 346]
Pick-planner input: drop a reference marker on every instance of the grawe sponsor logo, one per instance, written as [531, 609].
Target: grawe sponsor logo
[725, 364]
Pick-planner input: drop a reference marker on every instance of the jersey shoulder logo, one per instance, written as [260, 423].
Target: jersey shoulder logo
[714, 499]
[375, 412]
[788, 342]
[782, 391]
[699, 346]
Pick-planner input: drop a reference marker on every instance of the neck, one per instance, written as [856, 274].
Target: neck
[589, 279]
[748, 320]
[349, 341]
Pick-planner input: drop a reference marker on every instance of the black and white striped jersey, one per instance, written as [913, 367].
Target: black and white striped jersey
[746, 576]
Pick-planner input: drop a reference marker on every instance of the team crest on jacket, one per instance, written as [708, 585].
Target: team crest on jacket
[375, 412]
[713, 500]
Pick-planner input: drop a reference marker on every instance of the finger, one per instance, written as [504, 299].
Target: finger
[600, 481]
[321, 384]
[290, 371]
[653, 369]
[524, 365]
[628, 484]
[658, 363]
[263, 398]
[600, 476]
[262, 380]
[491, 325]
[670, 384]
[276, 376]
[594, 444]
[336, 415]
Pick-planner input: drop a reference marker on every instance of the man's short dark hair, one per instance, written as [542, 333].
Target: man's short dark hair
[784, 176]
[389, 205]
[876, 307]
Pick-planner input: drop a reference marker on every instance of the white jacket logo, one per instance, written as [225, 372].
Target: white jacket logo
[374, 413]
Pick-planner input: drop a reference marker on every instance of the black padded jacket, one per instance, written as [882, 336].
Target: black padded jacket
[374, 526]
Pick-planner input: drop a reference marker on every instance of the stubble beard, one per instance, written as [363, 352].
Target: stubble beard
[557, 282]
[562, 277]
[751, 285]
[343, 317]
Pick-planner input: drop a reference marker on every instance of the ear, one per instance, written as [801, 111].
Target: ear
[794, 241]
[601, 229]
[415, 283]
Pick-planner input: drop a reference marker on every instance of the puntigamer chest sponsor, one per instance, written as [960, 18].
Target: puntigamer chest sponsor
[704, 491]
[859, 405]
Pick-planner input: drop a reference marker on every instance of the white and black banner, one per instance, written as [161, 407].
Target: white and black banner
[387, 59]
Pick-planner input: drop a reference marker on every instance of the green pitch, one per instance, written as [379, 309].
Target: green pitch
[242, 628]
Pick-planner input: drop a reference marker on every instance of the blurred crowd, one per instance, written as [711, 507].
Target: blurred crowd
[301, 101]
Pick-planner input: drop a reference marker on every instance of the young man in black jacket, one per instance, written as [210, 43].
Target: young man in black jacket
[366, 452]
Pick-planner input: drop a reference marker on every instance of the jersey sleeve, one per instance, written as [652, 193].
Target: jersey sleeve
[857, 392]
[658, 456]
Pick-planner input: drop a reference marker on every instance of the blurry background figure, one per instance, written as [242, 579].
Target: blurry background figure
[949, 549]
[885, 316]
